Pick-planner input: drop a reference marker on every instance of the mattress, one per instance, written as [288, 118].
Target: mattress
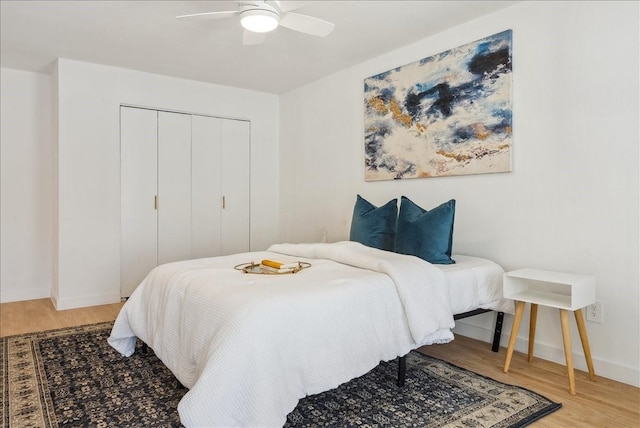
[475, 283]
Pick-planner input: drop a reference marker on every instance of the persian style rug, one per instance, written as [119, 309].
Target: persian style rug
[73, 378]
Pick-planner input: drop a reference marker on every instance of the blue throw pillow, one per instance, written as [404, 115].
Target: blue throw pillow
[426, 234]
[374, 226]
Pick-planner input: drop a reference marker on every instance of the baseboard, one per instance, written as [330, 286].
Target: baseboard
[84, 301]
[604, 368]
[24, 294]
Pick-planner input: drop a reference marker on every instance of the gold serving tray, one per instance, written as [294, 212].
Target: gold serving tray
[257, 268]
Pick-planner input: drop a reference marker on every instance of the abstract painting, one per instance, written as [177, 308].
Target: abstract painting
[447, 114]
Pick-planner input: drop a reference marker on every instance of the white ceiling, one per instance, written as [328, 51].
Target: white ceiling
[146, 36]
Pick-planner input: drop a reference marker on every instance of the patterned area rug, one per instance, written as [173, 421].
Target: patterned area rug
[73, 378]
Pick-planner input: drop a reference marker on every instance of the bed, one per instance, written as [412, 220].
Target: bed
[248, 347]
[475, 287]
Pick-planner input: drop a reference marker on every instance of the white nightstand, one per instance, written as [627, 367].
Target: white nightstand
[565, 291]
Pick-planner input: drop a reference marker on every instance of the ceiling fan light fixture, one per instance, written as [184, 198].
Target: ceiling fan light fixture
[259, 20]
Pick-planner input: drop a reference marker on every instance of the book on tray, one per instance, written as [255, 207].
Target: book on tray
[278, 267]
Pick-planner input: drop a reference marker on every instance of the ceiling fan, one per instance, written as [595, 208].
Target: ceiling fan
[260, 17]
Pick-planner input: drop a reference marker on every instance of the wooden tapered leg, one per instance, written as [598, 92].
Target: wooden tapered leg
[514, 335]
[532, 330]
[585, 342]
[566, 337]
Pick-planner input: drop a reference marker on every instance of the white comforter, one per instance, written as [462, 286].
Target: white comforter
[248, 347]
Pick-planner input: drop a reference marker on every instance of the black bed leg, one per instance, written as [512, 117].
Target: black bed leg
[497, 332]
[402, 370]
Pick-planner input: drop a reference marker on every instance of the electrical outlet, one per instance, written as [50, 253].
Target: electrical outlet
[595, 312]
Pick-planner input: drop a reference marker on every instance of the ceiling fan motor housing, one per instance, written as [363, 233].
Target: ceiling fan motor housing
[259, 18]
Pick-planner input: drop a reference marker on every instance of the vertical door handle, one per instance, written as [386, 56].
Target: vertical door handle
[155, 202]
[224, 204]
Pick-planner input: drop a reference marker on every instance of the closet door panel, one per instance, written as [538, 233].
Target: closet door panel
[206, 199]
[235, 176]
[138, 180]
[174, 187]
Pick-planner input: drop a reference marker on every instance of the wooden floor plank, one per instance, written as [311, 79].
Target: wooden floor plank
[603, 403]
[39, 315]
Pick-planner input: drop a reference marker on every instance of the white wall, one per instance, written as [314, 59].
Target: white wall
[72, 180]
[88, 182]
[25, 185]
[571, 202]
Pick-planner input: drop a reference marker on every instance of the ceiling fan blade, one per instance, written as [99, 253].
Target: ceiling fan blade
[209, 15]
[250, 38]
[306, 24]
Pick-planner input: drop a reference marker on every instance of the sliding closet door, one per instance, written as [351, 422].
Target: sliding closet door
[206, 198]
[174, 187]
[235, 176]
[185, 189]
[138, 176]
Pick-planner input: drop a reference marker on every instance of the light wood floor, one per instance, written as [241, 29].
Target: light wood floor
[603, 403]
[40, 315]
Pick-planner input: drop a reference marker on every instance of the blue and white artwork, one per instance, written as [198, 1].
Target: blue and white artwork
[447, 114]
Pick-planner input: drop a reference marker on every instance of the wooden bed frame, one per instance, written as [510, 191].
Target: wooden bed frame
[495, 346]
